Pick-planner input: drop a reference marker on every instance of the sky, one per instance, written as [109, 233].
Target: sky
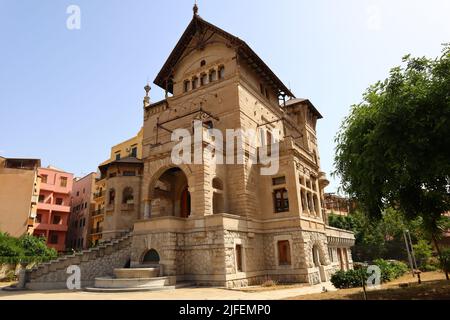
[68, 95]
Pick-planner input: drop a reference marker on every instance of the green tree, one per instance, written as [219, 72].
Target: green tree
[393, 149]
[25, 249]
[423, 253]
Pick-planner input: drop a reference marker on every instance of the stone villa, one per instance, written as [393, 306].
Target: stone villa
[225, 224]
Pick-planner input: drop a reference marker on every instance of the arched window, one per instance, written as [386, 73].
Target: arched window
[111, 196]
[212, 75]
[194, 83]
[221, 72]
[151, 257]
[127, 196]
[203, 79]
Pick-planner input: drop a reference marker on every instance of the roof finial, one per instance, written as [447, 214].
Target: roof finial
[195, 9]
[147, 89]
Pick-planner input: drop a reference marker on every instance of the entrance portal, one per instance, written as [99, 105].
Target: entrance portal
[170, 194]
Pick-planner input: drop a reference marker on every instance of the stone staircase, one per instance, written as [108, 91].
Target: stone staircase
[95, 262]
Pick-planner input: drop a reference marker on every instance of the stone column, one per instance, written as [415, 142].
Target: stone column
[293, 187]
[147, 209]
[307, 201]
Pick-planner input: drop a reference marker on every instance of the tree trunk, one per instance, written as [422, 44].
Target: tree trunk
[439, 254]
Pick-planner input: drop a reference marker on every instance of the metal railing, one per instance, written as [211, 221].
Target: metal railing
[99, 194]
[98, 212]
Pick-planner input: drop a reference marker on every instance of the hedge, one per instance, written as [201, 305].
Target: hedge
[390, 270]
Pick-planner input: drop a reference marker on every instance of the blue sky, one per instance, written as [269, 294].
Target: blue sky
[67, 96]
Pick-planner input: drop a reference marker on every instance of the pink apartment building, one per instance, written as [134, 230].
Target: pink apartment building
[53, 208]
[81, 206]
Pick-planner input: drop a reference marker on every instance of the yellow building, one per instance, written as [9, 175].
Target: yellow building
[129, 148]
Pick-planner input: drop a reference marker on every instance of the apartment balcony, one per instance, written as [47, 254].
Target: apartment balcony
[54, 188]
[99, 195]
[51, 227]
[98, 212]
[96, 231]
[53, 207]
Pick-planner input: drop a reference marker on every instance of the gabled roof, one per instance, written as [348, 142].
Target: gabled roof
[293, 102]
[244, 50]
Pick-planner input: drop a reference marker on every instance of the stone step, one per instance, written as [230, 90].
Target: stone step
[109, 282]
[138, 289]
[136, 273]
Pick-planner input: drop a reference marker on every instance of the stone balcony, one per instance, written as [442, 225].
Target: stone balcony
[340, 237]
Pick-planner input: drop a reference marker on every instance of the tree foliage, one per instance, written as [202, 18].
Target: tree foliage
[26, 249]
[379, 238]
[393, 149]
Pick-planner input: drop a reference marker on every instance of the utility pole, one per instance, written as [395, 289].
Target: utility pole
[409, 253]
[412, 249]
[414, 258]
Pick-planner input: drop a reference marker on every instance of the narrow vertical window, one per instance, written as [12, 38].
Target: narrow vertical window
[239, 258]
[212, 75]
[112, 196]
[186, 85]
[203, 79]
[221, 72]
[194, 83]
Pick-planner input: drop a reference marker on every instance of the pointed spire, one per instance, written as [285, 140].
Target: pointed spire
[195, 9]
[147, 89]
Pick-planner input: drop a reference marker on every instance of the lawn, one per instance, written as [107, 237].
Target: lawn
[433, 287]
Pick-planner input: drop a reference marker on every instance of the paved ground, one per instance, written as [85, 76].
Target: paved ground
[178, 294]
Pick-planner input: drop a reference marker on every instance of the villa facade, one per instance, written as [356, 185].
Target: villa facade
[227, 224]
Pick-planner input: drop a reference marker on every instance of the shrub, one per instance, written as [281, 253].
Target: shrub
[349, 279]
[390, 270]
[10, 250]
[36, 250]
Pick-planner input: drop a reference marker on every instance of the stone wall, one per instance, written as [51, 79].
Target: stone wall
[209, 257]
[95, 262]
